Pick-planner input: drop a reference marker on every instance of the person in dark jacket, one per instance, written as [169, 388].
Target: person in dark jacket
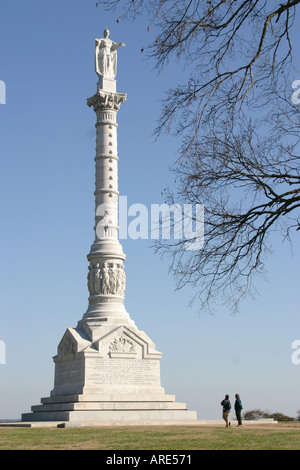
[226, 410]
[238, 409]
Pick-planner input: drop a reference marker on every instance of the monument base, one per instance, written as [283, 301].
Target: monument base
[108, 373]
[116, 409]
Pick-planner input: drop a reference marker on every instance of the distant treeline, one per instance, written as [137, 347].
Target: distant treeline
[260, 414]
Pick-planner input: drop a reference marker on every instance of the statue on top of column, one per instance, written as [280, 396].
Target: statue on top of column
[106, 56]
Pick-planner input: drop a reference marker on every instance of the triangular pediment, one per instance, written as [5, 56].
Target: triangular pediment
[71, 343]
[123, 341]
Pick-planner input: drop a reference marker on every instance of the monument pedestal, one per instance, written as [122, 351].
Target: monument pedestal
[109, 374]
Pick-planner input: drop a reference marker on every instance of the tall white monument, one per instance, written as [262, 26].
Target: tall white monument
[106, 369]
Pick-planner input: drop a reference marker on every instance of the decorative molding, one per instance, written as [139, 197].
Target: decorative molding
[106, 101]
[106, 190]
[109, 156]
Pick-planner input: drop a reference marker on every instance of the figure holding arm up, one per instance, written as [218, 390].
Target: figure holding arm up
[106, 56]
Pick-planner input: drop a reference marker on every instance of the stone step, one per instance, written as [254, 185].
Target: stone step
[130, 405]
[114, 416]
[107, 397]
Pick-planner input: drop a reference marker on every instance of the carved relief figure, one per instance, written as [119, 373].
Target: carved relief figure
[122, 344]
[106, 56]
[68, 347]
[105, 280]
[112, 280]
[91, 281]
[118, 281]
[123, 276]
[97, 279]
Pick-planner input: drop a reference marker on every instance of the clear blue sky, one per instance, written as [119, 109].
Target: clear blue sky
[47, 145]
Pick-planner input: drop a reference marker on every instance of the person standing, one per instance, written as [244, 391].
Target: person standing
[226, 410]
[238, 409]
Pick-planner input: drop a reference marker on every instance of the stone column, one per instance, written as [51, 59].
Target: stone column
[106, 275]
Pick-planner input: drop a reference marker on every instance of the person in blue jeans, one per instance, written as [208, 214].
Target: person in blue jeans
[238, 409]
[226, 410]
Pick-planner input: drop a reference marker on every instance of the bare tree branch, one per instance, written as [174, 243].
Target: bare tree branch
[239, 131]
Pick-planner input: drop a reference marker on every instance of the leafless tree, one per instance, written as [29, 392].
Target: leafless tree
[239, 132]
[250, 187]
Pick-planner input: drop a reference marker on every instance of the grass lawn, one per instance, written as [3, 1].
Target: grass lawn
[282, 436]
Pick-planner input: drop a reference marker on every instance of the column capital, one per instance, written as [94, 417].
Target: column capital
[106, 100]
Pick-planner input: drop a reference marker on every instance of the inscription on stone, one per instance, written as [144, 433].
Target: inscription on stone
[124, 371]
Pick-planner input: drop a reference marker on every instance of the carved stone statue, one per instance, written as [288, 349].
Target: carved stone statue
[90, 280]
[118, 281]
[112, 280]
[97, 279]
[106, 56]
[105, 279]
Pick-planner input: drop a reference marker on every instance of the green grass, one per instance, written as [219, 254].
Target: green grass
[275, 437]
